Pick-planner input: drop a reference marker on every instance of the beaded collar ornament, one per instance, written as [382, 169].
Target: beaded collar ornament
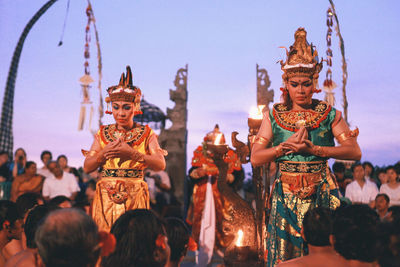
[125, 91]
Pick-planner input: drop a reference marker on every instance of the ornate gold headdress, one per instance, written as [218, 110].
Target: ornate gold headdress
[125, 91]
[215, 136]
[302, 59]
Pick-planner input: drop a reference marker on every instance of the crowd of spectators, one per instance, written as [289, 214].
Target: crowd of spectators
[44, 220]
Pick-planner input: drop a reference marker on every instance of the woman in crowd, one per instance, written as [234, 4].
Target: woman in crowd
[28, 182]
[123, 150]
[141, 241]
[302, 131]
[392, 187]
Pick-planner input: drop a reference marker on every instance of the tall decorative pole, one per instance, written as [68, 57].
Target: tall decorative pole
[6, 133]
[174, 139]
[86, 79]
[344, 63]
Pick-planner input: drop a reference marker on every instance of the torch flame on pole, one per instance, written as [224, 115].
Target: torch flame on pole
[217, 139]
[239, 240]
[256, 112]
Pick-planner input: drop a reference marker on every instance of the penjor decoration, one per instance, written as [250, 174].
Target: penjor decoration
[86, 79]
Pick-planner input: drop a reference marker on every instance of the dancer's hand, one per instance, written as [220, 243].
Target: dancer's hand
[297, 142]
[109, 150]
[300, 135]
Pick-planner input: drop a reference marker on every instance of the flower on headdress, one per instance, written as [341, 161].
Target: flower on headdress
[107, 243]
[192, 245]
[160, 241]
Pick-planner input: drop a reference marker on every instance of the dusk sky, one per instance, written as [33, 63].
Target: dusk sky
[221, 41]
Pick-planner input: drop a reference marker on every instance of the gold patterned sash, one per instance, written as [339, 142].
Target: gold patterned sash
[122, 173]
[301, 178]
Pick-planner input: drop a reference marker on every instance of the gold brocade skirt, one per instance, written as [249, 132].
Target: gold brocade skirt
[300, 186]
[116, 195]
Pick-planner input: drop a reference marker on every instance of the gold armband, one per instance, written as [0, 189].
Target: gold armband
[347, 135]
[319, 151]
[86, 153]
[160, 150]
[278, 151]
[261, 140]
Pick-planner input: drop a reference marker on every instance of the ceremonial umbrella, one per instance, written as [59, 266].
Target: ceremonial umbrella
[151, 114]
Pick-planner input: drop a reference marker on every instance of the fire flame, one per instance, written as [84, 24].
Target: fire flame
[239, 240]
[256, 112]
[217, 139]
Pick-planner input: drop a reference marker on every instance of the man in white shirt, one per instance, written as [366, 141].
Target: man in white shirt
[46, 157]
[361, 190]
[60, 183]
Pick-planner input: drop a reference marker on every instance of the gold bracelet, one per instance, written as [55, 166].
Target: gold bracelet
[261, 140]
[278, 151]
[347, 135]
[319, 151]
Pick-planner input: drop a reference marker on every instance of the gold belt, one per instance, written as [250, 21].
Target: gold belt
[302, 167]
[301, 178]
[123, 173]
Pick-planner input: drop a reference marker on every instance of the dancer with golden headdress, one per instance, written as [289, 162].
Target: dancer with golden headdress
[301, 131]
[123, 150]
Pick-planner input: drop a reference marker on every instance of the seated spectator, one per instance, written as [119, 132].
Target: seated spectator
[28, 182]
[60, 202]
[46, 157]
[159, 189]
[141, 241]
[90, 190]
[361, 190]
[354, 234]
[28, 256]
[17, 167]
[5, 173]
[394, 214]
[10, 225]
[392, 187]
[178, 239]
[60, 183]
[68, 238]
[63, 162]
[369, 170]
[382, 177]
[382, 206]
[24, 203]
[317, 227]
[338, 169]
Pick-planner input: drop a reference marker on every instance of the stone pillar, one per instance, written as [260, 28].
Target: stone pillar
[174, 139]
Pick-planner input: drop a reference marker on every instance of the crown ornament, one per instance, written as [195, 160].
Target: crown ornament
[125, 91]
[302, 58]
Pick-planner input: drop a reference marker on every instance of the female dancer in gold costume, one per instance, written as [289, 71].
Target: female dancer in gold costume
[301, 131]
[123, 150]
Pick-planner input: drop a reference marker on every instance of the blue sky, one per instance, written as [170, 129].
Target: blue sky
[221, 41]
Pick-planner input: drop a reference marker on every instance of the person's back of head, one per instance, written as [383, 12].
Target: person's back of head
[389, 244]
[68, 238]
[317, 226]
[178, 238]
[141, 240]
[60, 201]
[34, 218]
[355, 232]
[27, 201]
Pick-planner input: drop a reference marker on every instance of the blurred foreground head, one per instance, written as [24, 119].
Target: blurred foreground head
[355, 233]
[68, 238]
